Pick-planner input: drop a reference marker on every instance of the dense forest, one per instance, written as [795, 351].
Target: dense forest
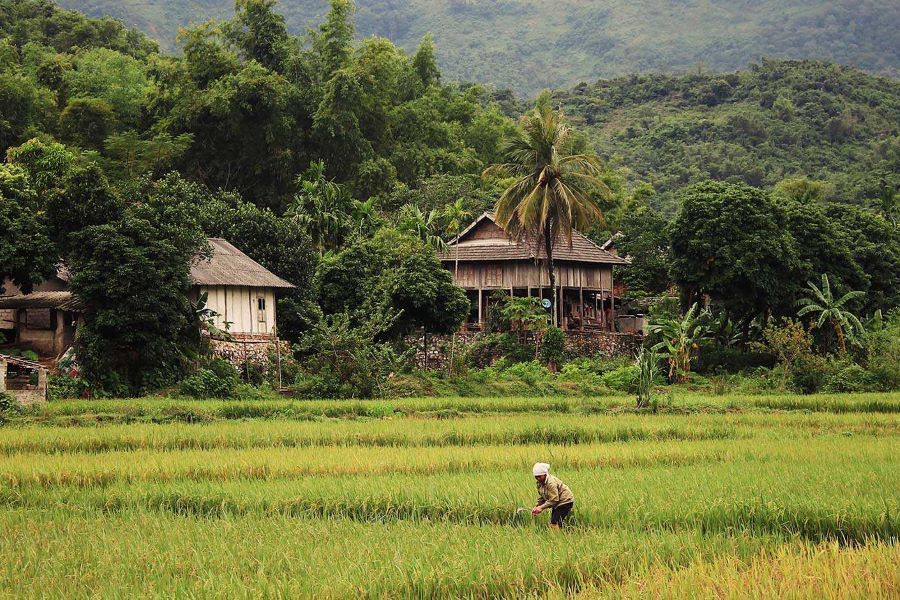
[528, 45]
[345, 165]
[776, 120]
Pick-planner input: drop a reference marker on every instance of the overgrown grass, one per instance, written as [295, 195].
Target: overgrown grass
[675, 401]
[416, 498]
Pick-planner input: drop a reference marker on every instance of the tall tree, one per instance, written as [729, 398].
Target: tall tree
[732, 243]
[27, 255]
[425, 63]
[334, 43]
[260, 33]
[553, 191]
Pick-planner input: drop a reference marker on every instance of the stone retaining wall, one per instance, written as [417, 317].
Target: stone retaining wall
[578, 343]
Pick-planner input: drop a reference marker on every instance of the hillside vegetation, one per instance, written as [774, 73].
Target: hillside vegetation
[775, 120]
[530, 45]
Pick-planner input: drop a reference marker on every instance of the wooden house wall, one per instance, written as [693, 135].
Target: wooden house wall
[524, 274]
[239, 306]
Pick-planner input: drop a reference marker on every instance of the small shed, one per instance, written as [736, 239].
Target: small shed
[240, 290]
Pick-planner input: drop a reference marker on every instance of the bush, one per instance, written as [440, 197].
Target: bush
[8, 404]
[732, 360]
[808, 373]
[531, 372]
[61, 387]
[622, 379]
[515, 351]
[553, 346]
[483, 351]
[219, 379]
[846, 376]
[883, 352]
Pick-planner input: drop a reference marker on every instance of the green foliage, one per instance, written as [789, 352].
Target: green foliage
[730, 241]
[675, 130]
[8, 405]
[397, 271]
[553, 346]
[206, 383]
[645, 240]
[883, 350]
[647, 362]
[26, 253]
[345, 360]
[61, 387]
[623, 379]
[681, 338]
[822, 304]
[132, 275]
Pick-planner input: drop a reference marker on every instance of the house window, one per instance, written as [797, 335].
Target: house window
[493, 277]
[261, 310]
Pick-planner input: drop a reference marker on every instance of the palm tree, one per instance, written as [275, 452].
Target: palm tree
[321, 207]
[457, 216]
[821, 302]
[553, 192]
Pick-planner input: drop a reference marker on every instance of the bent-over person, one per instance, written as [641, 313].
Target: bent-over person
[552, 494]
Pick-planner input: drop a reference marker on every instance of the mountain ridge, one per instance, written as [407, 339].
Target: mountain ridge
[528, 46]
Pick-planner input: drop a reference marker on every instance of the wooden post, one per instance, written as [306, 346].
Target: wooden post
[612, 297]
[2, 374]
[480, 318]
[581, 302]
[560, 310]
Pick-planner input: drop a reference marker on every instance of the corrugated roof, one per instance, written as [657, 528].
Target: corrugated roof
[230, 266]
[581, 250]
[59, 300]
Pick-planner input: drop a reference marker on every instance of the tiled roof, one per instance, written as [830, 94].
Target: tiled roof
[230, 266]
[488, 249]
[62, 300]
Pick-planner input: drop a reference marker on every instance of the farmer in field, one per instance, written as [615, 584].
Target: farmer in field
[552, 494]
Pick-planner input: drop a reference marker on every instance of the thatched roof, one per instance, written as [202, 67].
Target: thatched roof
[472, 248]
[58, 300]
[230, 266]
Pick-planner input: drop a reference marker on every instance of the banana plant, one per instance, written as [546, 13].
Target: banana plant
[680, 338]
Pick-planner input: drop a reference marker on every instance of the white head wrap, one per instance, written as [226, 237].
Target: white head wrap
[540, 469]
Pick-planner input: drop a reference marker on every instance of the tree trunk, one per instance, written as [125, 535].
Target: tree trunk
[551, 270]
[842, 344]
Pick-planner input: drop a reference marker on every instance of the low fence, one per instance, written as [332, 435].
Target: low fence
[578, 343]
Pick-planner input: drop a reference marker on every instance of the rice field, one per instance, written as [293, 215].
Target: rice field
[711, 497]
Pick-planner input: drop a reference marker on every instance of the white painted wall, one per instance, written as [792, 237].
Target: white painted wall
[239, 305]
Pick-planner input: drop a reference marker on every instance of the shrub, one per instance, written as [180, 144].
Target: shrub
[483, 351]
[30, 355]
[808, 373]
[622, 379]
[61, 387]
[846, 376]
[553, 346]
[530, 372]
[514, 350]
[210, 383]
[8, 404]
[732, 360]
[883, 351]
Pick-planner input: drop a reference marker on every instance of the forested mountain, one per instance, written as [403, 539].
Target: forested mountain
[529, 45]
[775, 120]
